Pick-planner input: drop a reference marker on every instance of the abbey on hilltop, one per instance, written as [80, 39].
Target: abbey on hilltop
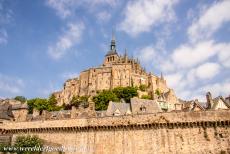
[116, 71]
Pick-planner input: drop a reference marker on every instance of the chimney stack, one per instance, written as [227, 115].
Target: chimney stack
[209, 100]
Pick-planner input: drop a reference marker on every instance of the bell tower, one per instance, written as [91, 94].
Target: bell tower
[111, 56]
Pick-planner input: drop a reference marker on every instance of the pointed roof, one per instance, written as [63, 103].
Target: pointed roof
[112, 50]
[216, 101]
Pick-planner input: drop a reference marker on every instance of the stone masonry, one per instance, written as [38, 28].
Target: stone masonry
[116, 71]
[174, 132]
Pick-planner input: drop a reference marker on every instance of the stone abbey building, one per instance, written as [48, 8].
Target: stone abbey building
[116, 71]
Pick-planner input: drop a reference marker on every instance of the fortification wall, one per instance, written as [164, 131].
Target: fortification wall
[182, 132]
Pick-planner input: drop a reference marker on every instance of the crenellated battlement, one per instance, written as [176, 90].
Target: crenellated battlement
[144, 121]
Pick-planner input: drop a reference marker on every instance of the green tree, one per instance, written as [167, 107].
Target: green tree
[103, 98]
[31, 105]
[22, 99]
[27, 141]
[43, 104]
[143, 87]
[125, 92]
[77, 101]
[158, 92]
[52, 100]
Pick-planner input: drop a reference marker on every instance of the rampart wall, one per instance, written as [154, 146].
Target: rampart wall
[175, 132]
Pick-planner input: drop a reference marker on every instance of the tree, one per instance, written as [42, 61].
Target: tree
[158, 92]
[143, 87]
[103, 98]
[43, 104]
[31, 105]
[27, 141]
[22, 99]
[125, 92]
[52, 100]
[77, 101]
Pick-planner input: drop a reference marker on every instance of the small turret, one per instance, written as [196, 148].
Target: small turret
[126, 56]
[209, 100]
[162, 77]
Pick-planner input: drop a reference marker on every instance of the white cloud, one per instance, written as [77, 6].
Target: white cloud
[210, 21]
[3, 36]
[207, 70]
[62, 7]
[67, 40]
[67, 8]
[142, 15]
[173, 80]
[5, 17]
[103, 16]
[190, 55]
[224, 54]
[222, 88]
[10, 85]
[147, 54]
[204, 71]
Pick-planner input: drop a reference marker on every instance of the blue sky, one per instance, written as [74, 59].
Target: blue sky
[45, 42]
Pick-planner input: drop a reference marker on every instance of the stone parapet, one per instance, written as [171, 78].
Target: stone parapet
[158, 120]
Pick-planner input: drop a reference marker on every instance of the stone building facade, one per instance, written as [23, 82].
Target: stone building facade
[116, 71]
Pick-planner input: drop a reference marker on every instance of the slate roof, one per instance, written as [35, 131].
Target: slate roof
[19, 106]
[191, 105]
[111, 52]
[216, 100]
[122, 107]
[150, 106]
[6, 111]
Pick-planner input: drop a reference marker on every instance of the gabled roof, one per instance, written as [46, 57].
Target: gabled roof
[123, 108]
[19, 106]
[216, 101]
[150, 105]
[191, 105]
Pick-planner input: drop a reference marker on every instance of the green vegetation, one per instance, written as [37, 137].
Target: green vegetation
[125, 92]
[28, 141]
[158, 92]
[145, 97]
[24, 145]
[77, 101]
[41, 104]
[20, 98]
[143, 87]
[102, 99]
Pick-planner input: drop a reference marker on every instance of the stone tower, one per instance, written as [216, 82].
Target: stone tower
[111, 55]
[209, 100]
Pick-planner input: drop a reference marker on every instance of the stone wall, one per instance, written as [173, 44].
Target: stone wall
[176, 132]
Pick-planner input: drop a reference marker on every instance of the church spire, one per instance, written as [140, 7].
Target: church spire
[113, 43]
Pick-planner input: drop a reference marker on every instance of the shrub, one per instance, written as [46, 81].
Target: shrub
[143, 87]
[145, 97]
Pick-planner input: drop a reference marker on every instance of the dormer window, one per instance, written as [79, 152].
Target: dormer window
[143, 108]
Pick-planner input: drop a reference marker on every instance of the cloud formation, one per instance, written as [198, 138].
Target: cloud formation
[142, 15]
[67, 40]
[11, 85]
[67, 8]
[5, 17]
[209, 21]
